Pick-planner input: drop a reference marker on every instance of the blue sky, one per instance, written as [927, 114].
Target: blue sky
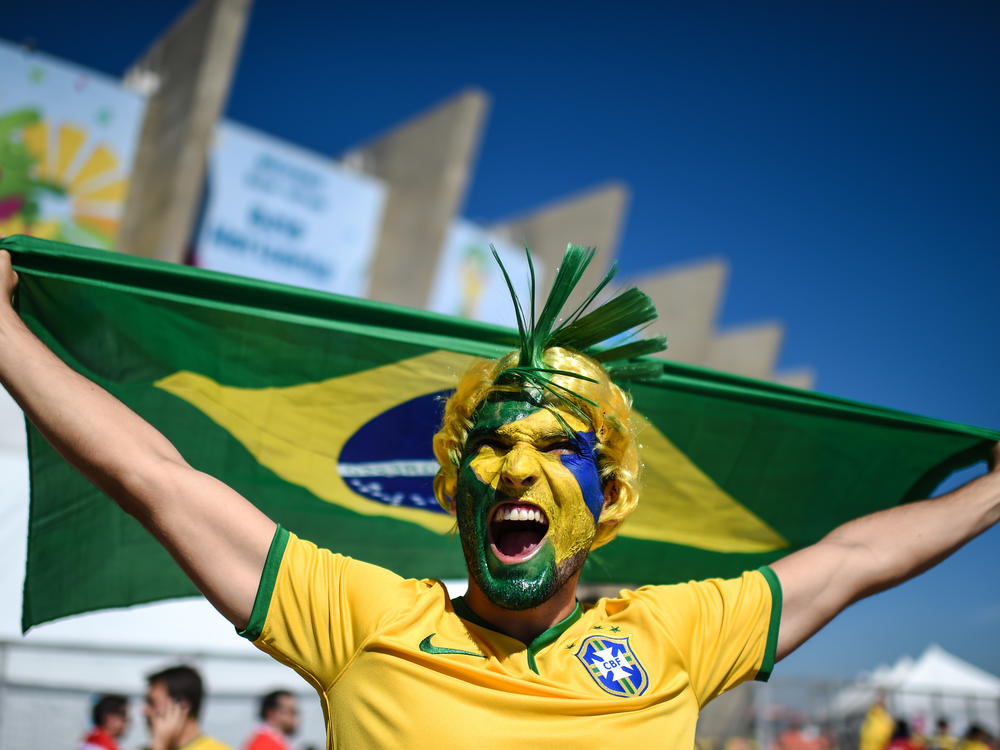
[842, 156]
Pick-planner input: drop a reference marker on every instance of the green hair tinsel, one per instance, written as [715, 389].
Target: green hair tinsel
[581, 330]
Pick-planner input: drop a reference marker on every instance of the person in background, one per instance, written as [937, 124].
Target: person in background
[799, 737]
[877, 727]
[173, 705]
[110, 716]
[976, 738]
[279, 716]
[902, 739]
[943, 738]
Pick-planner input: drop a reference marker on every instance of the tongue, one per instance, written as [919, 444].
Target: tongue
[517, 542]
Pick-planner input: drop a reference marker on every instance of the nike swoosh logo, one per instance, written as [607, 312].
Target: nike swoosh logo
[428, 648]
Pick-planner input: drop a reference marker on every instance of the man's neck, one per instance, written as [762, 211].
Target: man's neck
[275, 729]
[524, 624]
[189, 734]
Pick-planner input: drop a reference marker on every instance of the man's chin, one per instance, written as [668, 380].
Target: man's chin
[513, 587]
[516, 594]
[520, 587]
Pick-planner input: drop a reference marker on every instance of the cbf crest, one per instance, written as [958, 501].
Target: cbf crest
[613, 665]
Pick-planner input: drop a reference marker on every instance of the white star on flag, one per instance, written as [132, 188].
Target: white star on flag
[609, 664]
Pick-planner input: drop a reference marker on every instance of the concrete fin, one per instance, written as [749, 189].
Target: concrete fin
[425, 163]
[687, 299]
[187, 74]
[751, 350]
[593, 218]
[804, 378]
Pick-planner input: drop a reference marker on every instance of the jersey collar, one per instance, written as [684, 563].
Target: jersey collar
[541, 641]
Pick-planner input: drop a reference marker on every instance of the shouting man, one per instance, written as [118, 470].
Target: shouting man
[539, 465]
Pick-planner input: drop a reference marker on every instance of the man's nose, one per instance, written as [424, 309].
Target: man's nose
[520, 468]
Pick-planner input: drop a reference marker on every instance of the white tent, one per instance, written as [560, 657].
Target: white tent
[935, 684]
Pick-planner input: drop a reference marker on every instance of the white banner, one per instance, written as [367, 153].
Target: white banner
[469, 282]
[277, 212]
[67, 141]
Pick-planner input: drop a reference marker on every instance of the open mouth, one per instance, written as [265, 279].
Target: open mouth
[516, 531]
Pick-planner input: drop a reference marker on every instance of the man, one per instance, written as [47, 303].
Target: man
[173, 705]
[539, 464]
[110, 716]
[943, 738]
[279, 715]
[976, 738]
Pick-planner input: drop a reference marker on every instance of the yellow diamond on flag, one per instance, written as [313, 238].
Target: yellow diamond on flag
[298, 433]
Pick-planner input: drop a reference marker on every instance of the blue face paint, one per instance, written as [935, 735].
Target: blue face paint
[583, 467]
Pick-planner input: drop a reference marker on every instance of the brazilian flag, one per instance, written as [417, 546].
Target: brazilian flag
[320, 410]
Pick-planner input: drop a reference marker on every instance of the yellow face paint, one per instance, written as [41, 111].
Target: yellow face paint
[521, 460]
[532, 447]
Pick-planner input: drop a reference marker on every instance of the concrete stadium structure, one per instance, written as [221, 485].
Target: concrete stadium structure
[186, 76]
[426, 164]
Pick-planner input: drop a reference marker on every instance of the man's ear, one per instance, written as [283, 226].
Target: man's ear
[611, 490]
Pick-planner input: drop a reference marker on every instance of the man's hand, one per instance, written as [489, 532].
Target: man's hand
[167, 726]
[8, 278]
[878, 551]
[217, 536]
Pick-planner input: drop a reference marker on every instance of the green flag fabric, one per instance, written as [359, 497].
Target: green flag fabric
[320, 410]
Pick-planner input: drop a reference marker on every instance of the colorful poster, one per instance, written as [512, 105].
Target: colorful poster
[280, 213]
[469, 283]
[67, 141]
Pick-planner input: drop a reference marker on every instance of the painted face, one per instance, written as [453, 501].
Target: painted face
[529, 496]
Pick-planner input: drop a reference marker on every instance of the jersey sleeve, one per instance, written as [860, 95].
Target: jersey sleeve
[725, 631]
[315, 609]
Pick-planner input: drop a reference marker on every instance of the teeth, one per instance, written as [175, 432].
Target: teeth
[511, 513]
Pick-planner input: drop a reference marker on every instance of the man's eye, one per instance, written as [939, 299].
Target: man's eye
[562, 448]
[493, 443]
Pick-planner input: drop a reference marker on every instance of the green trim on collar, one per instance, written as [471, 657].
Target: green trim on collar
[550, 635]
[545, 638]
[465, 612]
[268, 576]
[770, 650]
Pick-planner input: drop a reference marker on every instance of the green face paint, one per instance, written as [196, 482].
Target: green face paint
[525, 524]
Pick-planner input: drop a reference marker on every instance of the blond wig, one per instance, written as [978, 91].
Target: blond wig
[618, 457]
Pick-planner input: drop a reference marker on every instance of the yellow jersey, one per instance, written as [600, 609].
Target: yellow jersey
[398, 664]
[203, 742]
[876, 729]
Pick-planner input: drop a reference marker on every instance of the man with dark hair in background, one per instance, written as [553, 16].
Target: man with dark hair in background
[173, 705]
[110, 717]
[279, 715]
[943, 738]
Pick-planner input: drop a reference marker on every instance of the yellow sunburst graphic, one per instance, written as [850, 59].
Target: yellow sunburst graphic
[78, 186]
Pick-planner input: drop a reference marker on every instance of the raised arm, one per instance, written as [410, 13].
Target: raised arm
[878, 551]
[215, 534]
